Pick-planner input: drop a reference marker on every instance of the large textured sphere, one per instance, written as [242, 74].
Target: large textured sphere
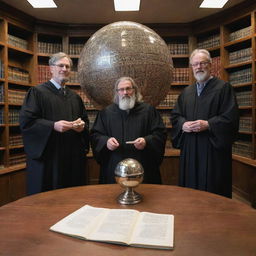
[125, 49]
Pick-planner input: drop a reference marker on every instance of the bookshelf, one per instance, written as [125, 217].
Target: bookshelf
[230, 37]
[238, 67]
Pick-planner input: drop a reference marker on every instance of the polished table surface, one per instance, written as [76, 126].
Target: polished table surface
[205, 224]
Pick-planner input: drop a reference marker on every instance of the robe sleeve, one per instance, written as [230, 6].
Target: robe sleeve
[224, 126]
[99, 138]
[35, 130]
[155, 141]
[177, 120]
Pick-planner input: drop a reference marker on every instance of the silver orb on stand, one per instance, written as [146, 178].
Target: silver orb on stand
[129, 174]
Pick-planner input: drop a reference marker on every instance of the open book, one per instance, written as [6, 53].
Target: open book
[120, 226]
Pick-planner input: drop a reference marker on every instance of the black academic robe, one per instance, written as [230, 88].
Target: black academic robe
[54, 159]
[206, 157]
[142, 121]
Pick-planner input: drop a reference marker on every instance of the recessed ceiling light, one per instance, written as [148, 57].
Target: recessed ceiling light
[42, 3]
[213, 3]
[127, 5]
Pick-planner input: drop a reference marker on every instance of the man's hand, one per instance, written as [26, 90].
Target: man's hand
[112, 144]
[78, 125]
[195, 126]
[140, 143]
[62, 126]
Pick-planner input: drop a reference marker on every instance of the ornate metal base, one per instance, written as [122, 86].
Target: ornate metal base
[129, 196]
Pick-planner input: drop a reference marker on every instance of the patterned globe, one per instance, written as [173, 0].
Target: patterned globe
[125, 49]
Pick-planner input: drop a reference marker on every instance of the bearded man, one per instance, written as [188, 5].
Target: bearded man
[205, 123]
[128, 128]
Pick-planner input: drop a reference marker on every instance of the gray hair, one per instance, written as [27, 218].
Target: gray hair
[138, 95]
[57, 56]
[203, 51]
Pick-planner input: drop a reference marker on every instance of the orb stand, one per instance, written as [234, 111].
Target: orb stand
[129, 196]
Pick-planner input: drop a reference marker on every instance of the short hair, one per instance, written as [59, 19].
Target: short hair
[138, 95]
[57, 56]
[203, 51]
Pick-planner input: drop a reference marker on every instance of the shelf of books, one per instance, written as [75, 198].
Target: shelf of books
[16, 75]
[238, 45]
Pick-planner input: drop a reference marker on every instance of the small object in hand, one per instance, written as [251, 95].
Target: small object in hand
[130, 142]
[78, 124]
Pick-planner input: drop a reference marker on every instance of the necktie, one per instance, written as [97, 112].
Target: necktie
[200, 87]
[62, 91]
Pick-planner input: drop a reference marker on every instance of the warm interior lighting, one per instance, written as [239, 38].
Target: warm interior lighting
[42, 3]
[213, 3]
[127, 5]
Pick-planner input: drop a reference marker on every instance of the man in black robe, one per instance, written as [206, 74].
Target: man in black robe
[128, 128]
[54, 125]
[205, 123]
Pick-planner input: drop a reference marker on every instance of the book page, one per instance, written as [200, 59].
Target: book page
[117, 226]
[154, 230]
[80, 222]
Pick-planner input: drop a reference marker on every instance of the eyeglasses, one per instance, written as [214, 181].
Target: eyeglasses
[128, 89]
[201, 64]
[62, 66]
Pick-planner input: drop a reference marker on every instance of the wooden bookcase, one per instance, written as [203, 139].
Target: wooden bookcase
[25, 47]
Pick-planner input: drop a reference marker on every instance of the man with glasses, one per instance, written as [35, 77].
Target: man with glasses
[128, 128]
[54, 125]
[205, 123]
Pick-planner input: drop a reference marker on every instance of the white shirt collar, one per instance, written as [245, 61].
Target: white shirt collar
[57, 85]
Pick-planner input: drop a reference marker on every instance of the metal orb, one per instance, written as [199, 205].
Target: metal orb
[125, 48]
[129, 174]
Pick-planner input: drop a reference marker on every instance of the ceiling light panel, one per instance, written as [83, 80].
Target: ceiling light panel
[213, 3]
[127, 5]
[42, 3]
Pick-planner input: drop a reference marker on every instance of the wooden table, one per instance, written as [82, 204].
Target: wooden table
[205, 224]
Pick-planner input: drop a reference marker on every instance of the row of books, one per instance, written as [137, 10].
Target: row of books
[168, 143]
[240, 76]
[73, 77]
[16, 96]
[92, 116]
[244, 98]
[181, 75]
[240, 56]
[43, 73]
[243, 148]
[166, 118]
[87, 103]
[17, 42]
[48, 48]
[18, 74]
[245, 124]
[1, 92]
[169, 100]
[1, 116]
[178, 48]
[13, 116]
[240, 33]
[75, 49]
[209, 41]
[215, 70]
[17, 158]
[1, 69]
[15, 140]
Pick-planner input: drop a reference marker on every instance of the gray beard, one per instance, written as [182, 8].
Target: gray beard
[126, 103]
[201, 77]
